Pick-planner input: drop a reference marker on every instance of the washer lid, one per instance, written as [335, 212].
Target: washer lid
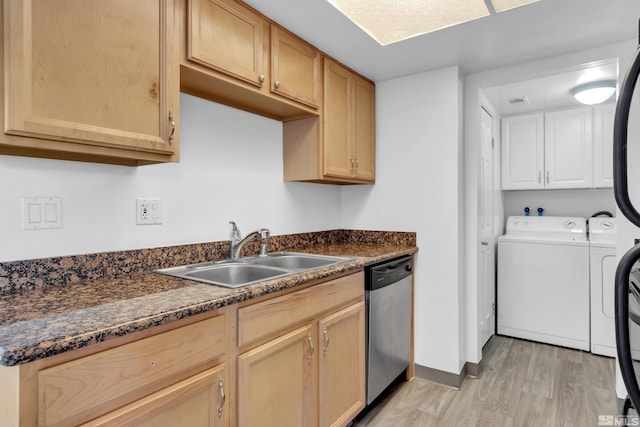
[557, 228]
[602, 230]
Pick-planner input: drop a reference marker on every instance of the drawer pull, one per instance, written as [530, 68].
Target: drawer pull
[326, 340]
[222, 396]
[173, 128]
[310, 357]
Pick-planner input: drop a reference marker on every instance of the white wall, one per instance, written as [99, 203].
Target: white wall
[230, 169]
[418, 188]
[560, 202]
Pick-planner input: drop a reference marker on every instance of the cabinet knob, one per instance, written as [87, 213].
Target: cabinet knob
[277, 84]
[261, 78]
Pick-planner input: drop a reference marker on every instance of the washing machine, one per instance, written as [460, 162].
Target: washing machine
[603, 263]
[543, 280]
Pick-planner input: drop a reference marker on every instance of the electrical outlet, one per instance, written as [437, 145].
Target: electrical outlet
[148, 211]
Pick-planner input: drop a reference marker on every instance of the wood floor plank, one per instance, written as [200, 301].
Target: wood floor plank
[534, 410]
[540, 374]
[506, 391]
[568, 394]
[512, 390]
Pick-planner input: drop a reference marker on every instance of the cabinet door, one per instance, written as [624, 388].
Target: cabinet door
[92, 72]
[342, 366]
[568, 149]
[295, 68]
[198, 401]
[228, 37]
[275, 382]
[338, 159]
[523, 152]
[364, 142]
[603, 117]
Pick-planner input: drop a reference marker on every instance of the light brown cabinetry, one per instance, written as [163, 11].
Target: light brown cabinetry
[275, 382]
[339, 146]
[179, 375]
[302, 357]
[187, 403]
[237, 57]
[91, 80]
[341, 371]
[227, 37]
[295, 68]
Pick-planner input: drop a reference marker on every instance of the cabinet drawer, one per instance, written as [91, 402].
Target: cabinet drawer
[269, 317]
[85, 388]
[187, 403]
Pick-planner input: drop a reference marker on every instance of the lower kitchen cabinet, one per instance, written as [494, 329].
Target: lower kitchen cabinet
[341, 369]
[275, 382]
[187, 403]
[293, 359]
[175, 377]
[311, 369]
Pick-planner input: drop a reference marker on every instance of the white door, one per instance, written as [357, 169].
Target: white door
[486, 263]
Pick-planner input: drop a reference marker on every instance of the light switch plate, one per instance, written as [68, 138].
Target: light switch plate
[40, 213]
[148, 211]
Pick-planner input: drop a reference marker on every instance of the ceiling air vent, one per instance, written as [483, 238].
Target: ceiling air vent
[521, 100]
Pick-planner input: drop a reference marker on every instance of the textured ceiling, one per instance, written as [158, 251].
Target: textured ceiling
[539, 30]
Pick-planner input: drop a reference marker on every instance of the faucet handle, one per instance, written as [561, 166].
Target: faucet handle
[235, 233]
[265, 233]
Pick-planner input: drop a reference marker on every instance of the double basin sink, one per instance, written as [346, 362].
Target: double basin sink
[235, 273]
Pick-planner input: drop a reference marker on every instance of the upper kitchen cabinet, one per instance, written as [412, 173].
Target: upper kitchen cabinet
[339, 146]
[237, 57]
[295, 68]
[91, 80]
[227, 37]
[553, 150]
[603, 118]
[568, 149]
[522, 152]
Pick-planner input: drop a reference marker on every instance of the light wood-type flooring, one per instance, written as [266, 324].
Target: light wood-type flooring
[523, 384]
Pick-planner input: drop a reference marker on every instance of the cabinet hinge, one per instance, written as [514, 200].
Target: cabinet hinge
[492, 143]
[493, 308]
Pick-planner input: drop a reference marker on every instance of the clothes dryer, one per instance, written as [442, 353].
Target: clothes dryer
[603, 263]
[543, 280]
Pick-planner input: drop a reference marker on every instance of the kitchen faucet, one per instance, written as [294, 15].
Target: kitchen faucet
[237, 242]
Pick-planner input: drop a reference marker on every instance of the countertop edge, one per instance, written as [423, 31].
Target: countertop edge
[39, 348]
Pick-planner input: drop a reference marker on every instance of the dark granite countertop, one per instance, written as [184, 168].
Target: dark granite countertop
[48, 320]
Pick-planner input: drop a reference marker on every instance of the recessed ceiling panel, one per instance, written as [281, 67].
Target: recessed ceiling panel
[390, 21]
[502, 5]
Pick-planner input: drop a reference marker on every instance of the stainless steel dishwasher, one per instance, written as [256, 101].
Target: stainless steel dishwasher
[388, 300]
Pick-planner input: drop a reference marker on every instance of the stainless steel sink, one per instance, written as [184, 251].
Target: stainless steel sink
[245, 271]
[234, 275]
[296, 261]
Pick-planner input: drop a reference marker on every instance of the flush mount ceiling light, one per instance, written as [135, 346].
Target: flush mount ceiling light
[390, 21]
[594, 92]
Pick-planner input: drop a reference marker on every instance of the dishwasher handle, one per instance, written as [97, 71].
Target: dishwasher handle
[388, 273]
